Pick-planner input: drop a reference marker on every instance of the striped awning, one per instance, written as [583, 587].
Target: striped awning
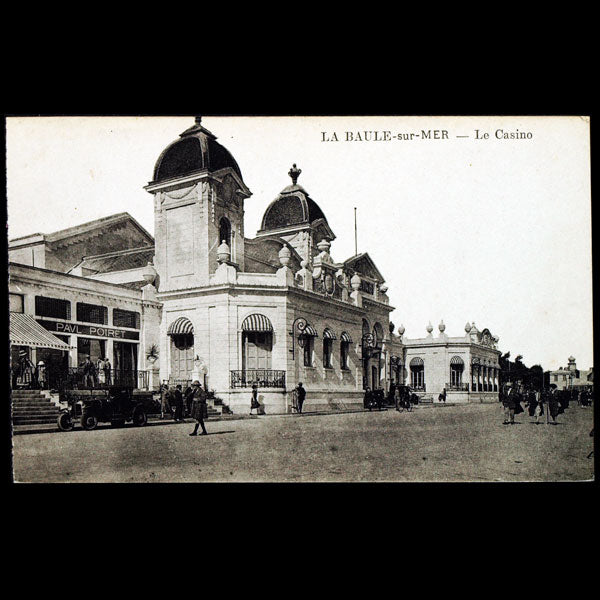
[180, 326]
[256, 322]
[26, 331]
[417, 361]
[310, 330]
[345, 337]
[456, 360]
[329, 334]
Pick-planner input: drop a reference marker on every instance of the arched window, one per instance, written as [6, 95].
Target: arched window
[457, 366]
[345, 342]
[181, 332]
[257, 344]
[378, 333]
[225, 234]
[417, 373]
[328, 337]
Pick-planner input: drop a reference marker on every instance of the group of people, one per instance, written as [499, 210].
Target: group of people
[96, 374]
[549, 403]
[179, 404]
[400, 396]
[25, 373]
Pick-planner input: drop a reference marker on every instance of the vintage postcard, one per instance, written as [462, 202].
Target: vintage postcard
[300, 299]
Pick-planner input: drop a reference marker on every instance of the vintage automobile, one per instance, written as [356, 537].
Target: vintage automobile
[116, 405]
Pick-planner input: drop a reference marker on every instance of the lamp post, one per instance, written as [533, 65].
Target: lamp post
[300, 324]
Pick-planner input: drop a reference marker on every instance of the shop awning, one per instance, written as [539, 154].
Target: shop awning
[26, 331]
[310, 330]
[181, 326]
[256, 322]
[329, 334]
[345, 337]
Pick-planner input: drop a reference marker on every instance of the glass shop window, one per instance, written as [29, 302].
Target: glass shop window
[92, 313]
[126, 318]
[52, 307]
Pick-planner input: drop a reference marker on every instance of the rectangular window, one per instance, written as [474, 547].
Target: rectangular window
[92, 313]
[308, 350]
[327, 352]
[52, 307]
[16, 303]
[258, 346]
[126, 318]
[344, 351]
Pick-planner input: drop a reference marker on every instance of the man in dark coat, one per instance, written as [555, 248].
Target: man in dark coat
[301, 395]
[89, 372]
[553, 404]
[199, 407]
[188, 395]
[178, 398]
[368, 398]
[509, 402]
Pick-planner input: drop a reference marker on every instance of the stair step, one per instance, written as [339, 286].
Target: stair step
[35, 421]
[35, 411]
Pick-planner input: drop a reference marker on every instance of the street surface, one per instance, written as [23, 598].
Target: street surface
[448, 443]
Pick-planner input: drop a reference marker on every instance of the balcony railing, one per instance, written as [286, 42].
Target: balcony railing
[75, 378]
[457, 387]
[263, 378]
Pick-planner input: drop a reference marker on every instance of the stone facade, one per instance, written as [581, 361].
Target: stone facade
[30, 282]
[466, 366]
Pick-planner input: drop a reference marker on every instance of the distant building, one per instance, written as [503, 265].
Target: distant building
[571, 376]
[466, 366]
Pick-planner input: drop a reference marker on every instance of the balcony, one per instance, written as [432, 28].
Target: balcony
[75, 379]
[262, 378]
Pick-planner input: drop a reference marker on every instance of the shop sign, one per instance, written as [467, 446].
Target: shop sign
[97, 330]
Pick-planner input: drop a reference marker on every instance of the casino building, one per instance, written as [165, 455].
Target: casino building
[203, 301]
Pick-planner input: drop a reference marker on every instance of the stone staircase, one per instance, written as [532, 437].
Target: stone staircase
[33, 407]
[426, 399]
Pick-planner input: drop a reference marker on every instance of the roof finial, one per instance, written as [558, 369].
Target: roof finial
[294, 173]
[198, 120]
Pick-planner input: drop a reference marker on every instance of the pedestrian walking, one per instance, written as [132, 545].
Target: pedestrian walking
[188, 395]
[301, 396]
[442, 396]
[553, 403]
[368, 398]
[199, 408]
[178, 397]
[539, 407]
[397, 398]
[508, 402]
[254, 404]
[165, 401]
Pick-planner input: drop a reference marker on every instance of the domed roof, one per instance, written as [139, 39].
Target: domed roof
[196, 150]
[293, 206]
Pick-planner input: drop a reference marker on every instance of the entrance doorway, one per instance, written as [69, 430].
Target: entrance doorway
[182, 356]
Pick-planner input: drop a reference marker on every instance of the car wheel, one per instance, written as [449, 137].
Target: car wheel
[89, 421]
[139, 418]
[65, 423]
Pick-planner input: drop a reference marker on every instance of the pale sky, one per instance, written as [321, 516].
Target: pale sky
[495, 231]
